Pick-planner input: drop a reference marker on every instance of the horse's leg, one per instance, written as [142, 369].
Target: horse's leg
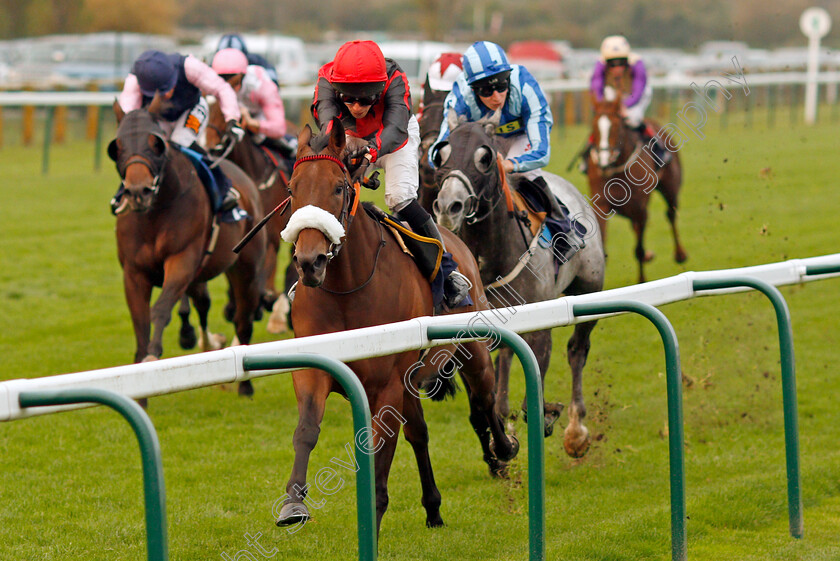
[540, 343]
[230, 308]
[278, 304]
[245, 284]
[503, 361]
[576, 438]
[385, 442]
[200, 296]
[311, 390]
[138, 293]
[176, 278]
[186, 337]
[642, 256]
[477, 371]
[417, 434]
[670, 191]
[270, 267]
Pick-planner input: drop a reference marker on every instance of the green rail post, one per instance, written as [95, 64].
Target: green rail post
[788, 385]
[48, 128]
[365, 499]
[675, 416]
[822, 269]
[536, 446]
[153, 488]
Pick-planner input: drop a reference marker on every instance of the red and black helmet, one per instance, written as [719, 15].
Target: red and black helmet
[359, 69]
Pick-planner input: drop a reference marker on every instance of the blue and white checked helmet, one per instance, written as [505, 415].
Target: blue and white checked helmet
[484, 59]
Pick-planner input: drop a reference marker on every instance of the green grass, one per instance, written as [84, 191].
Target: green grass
[70, 484]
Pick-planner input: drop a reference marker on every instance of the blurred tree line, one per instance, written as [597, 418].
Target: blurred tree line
[647, 23]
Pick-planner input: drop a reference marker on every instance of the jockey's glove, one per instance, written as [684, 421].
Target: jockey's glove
[233, 131]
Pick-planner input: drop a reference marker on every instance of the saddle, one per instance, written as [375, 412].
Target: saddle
[215, 182]
[426, 252]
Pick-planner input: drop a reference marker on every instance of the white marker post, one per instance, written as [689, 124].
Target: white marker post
[814, 23]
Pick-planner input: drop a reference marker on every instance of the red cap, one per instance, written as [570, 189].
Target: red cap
[359, 61]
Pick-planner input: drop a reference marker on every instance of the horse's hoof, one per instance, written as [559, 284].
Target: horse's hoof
[681, 257]
[434, 521]
[143, 402]
[293, 513]
[498, 470]
[514, 449]
[649, 255]
[149, 358]
[246, 389]
[267, 301]
[215, 341]
[551, 414]
[576, 447]
[187, 339]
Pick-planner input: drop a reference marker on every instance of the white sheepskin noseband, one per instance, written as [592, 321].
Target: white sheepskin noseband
[313, 217]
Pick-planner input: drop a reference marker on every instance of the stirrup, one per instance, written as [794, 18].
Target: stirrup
[456, 287]
[230, 200]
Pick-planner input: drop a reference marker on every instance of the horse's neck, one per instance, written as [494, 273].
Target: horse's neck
[356, 259]
[490, 240]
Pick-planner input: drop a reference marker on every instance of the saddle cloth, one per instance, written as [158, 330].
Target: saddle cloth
[215, 183]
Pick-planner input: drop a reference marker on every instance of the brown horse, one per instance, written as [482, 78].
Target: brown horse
[430, 121]
[170, 239]
[622, 173]
[357, 280]
[270, 173]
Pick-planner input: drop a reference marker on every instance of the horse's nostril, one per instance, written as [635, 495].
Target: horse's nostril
[320, 261]
[456, 208]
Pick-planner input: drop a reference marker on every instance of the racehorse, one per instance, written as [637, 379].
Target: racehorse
[353, 274]
[430, 121]
[623, 172]
[270, 174]
[473, 203]
[170, 239]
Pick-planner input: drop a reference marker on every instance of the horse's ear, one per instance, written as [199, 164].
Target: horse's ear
[492, 122]
[337, 139]
[155, 106]
[303, 139]
[118, 111]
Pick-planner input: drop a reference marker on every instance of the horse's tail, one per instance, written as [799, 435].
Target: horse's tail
[440, 386]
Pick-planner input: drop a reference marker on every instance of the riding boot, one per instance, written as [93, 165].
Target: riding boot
[575, 241]
[456, 286]
[584, 157]
[228, 198]
[647, 134]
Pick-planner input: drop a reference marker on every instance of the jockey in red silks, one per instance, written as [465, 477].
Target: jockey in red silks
[440, 78]
[259, 99]
[181, 80]
[370, 95]
[620, 68]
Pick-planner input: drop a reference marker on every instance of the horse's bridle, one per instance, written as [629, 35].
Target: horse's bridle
[155, 163]
[474, 199]
[349, 206]
[350, 197]
[613, 150]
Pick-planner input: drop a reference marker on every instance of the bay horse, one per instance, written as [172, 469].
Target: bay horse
[472, 203]
[169, 238]
[623, 172]
[353, 274]
[430, 122]
[270, 173]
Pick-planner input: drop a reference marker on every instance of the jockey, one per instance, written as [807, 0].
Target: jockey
[440, 78]
[180, 81]
[370, 95]
[235, 41]
[489, 83]
[620, 69]
[259, 99]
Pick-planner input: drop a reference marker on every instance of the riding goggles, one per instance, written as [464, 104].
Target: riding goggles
[613, 62]
[363, 101]
[486, 89]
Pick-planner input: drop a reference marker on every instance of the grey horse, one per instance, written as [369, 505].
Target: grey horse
[472, 204]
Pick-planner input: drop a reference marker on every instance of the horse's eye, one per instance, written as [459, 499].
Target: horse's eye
[483, 159]
[339, 189]
[442, 153]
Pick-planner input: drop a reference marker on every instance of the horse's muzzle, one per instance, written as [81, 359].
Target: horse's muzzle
[310, 257]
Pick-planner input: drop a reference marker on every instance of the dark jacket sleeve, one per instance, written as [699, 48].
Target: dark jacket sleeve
[394, 131]
[325, 104]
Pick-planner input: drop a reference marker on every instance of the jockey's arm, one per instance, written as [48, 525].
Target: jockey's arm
[130, 97]
[205, 79]
[273, 121]
[537, 120]
[639, 84]
[596, 83]
[394, 132]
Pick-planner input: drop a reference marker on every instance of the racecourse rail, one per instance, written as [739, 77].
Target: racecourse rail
[24, 398]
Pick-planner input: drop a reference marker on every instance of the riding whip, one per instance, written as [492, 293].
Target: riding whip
[260, 225]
